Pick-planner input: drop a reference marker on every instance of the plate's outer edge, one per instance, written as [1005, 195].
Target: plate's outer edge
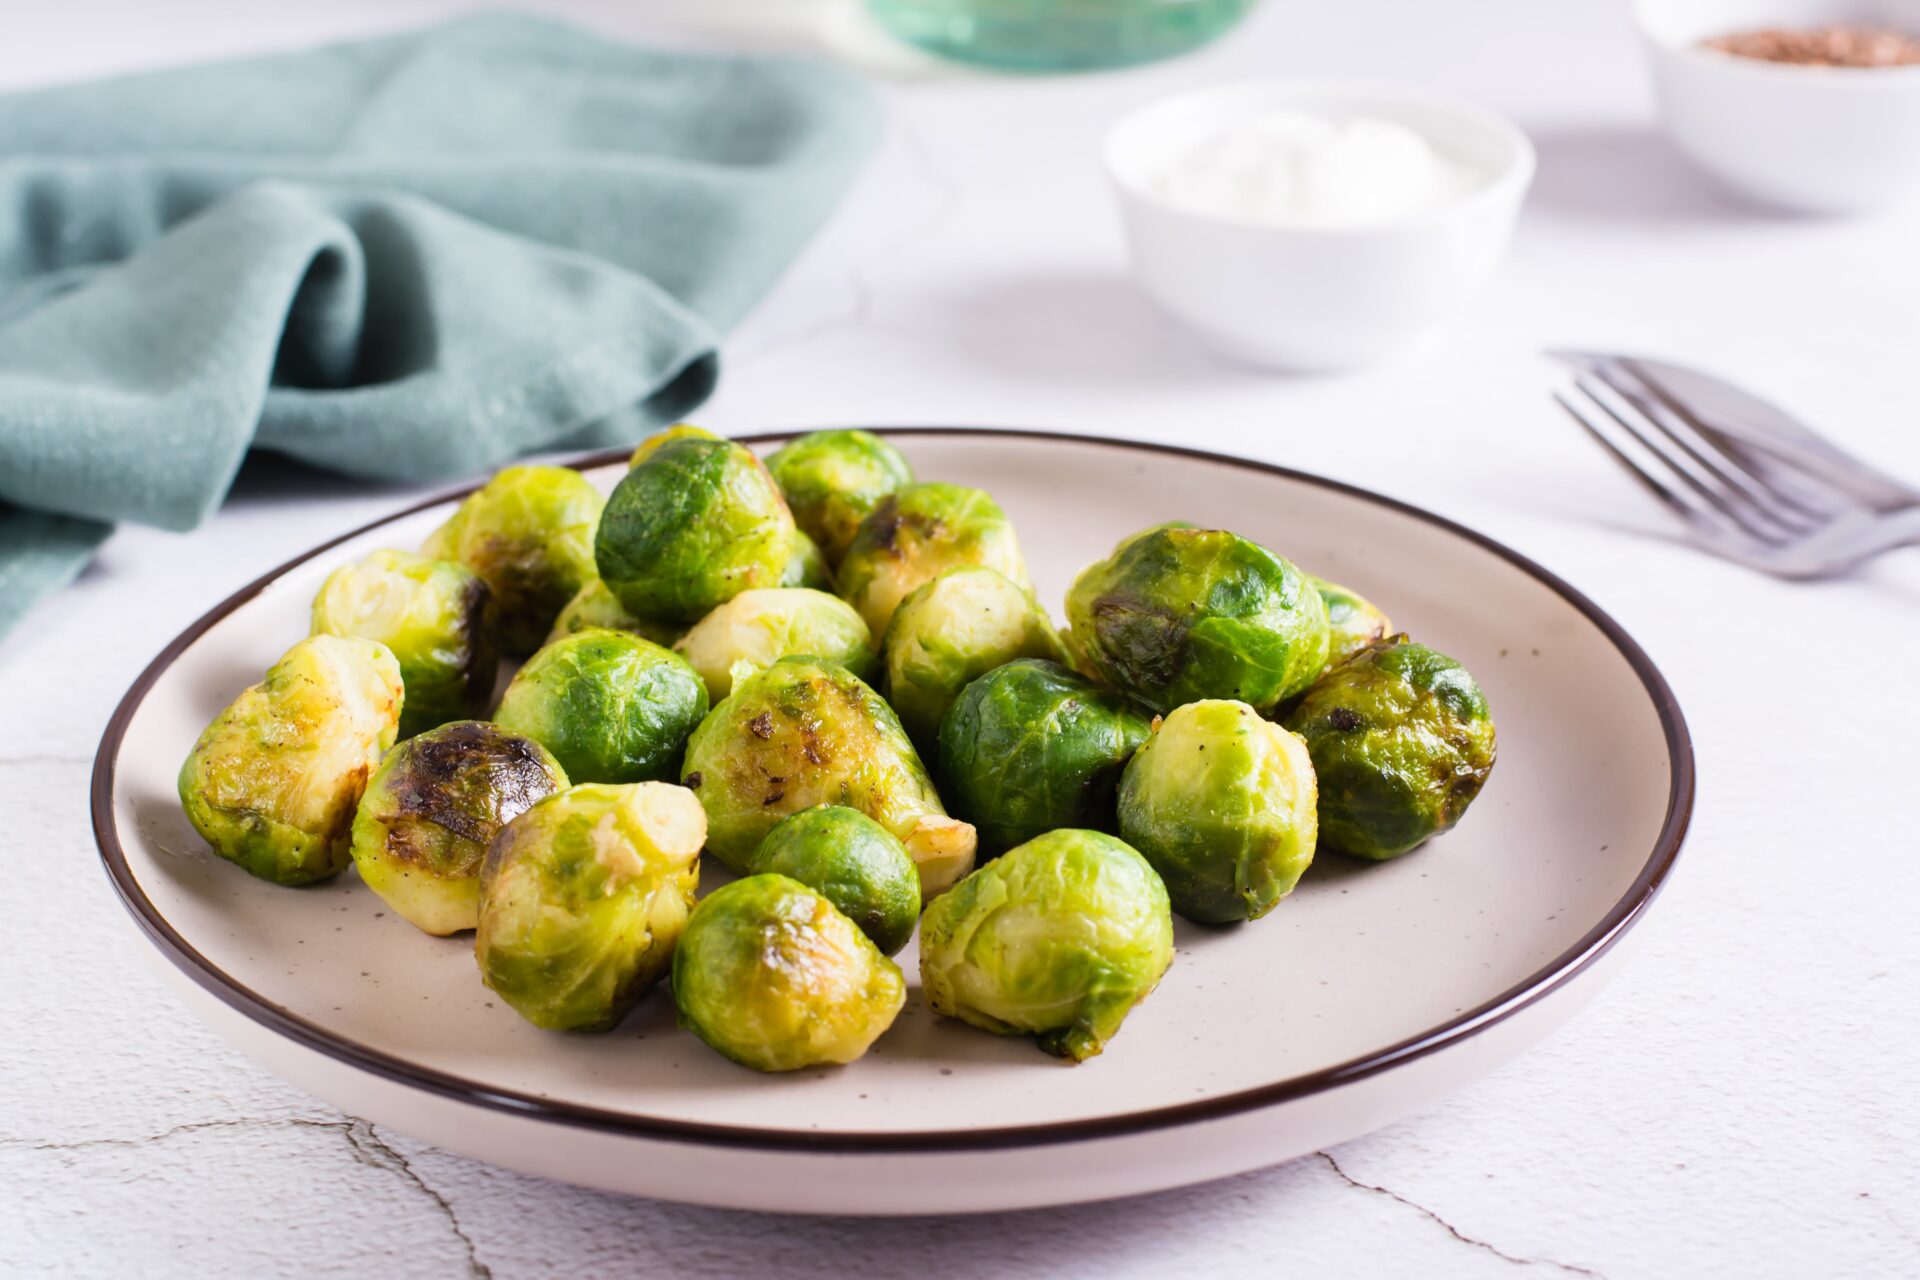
[1623, 915]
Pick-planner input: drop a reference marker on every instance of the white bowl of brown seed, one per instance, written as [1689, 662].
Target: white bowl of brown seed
[1811, 106]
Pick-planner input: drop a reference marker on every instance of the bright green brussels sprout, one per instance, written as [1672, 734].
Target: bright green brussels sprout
[272, 782]
[594, 605]
[582, 898]
[951, 631]
[1058, 938]
[806, 566]
[1032, 746]
[1175, 615]
[1221, 803]
[916, 535]
[806, 732]
[667, 435]
[529, 533]
[610, 706]
[428, 815]
[758, 628]
[1353, 621]
[1401, 741]
[431, 614]
[832, 479]
[697, 522]
[852, 861]
[771, 974]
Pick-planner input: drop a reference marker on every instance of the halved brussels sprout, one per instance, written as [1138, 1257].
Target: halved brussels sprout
[697, 522]
[852, 861]
[529, 533]
[667, 435]
[1032, 746]
[1353, 621]
[805, 732]
[1175, 615]
[426, 819]
[582, 898]
[1221, 803]
[760, 627]
[594, 605]
[610, 706]
[1401, 741]
[431, 614]
[832, 479]
[806, 566]
[917, 534]
[1058, 939]
[272, 782]
[951, 631]
[770, 974]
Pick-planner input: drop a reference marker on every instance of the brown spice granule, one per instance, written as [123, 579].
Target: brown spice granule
[1822, 46]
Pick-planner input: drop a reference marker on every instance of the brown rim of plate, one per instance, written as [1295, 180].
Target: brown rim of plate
[1570, 963]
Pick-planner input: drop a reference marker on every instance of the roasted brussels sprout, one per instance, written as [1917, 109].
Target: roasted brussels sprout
[758, 628]
[1401, 741]
[594, 605]
[610, 706]
[697, 522]
[770, 974]
[428, 815]
[806, 567]
[529, 533]
[431, 614]
[1058, 938]
[916, 535]
[1221, 803]
[852, 861]
[951, 631]
[832, 479]
[1032, 746]
[667, 435]
[1353, 621]
[805, 732]
[1175, 615]
[272, 782]
[582, 898]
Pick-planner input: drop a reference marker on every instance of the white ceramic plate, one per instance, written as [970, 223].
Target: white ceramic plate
[1369, 993]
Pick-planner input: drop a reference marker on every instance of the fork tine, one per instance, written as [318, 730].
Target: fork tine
[1750, 518]
[1689, 513]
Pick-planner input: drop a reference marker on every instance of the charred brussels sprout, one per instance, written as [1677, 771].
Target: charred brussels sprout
[1058, 939]
[806, 566]
[770, 974]
[431, 614]
[758, 628]
[1221, 803]
[852, 861]
[594, 605]
[697, 522]
[1031, 746]
[1401, 741]
[805, 732]
[832, 479]
[428, 815]
[610, 706]
[1353, 621]
[1175, 615]
[916, 535]
[272, 782]
[582, 898]
[665, 436]
[529, 533]
[951, 631]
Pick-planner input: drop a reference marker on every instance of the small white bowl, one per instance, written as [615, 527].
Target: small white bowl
[1305, 296]
[1805, 139]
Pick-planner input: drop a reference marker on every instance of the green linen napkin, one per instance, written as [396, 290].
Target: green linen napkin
[408, 258]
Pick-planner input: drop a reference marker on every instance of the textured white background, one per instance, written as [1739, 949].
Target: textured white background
[1741, 1102]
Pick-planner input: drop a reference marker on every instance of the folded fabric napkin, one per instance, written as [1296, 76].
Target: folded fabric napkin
[408, 258]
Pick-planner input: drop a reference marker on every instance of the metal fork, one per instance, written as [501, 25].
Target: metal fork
[1751, 483]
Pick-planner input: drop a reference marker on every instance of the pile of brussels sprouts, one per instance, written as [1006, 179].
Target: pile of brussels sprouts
[835, 680]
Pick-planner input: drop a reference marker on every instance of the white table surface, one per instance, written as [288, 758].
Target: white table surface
[1742, 1101]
